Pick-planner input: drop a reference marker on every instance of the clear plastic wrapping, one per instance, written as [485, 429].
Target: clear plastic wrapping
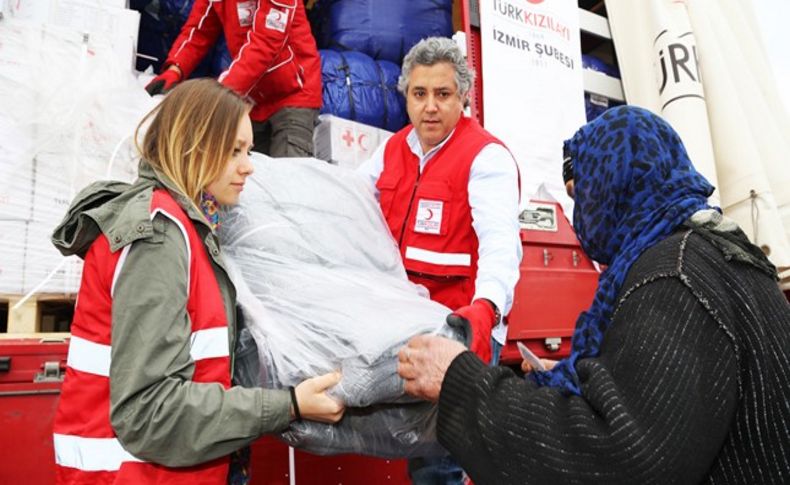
[68, 108]
[322, 287]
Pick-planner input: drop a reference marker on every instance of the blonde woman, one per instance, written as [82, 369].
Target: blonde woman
[147, 396]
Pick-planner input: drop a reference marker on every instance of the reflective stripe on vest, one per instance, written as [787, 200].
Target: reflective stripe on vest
[90, 454]
[449, 247]
[90, 357]
[84, 441]
[434, 257]
[94, 358]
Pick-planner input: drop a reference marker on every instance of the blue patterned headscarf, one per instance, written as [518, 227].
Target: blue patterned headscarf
[633, 186]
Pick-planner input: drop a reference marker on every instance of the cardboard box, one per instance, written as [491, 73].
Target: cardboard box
[345, 142]
[13, 236]
[30, 208]
[110, 19]
[45, 266]
[106, 18]
[60, 128]
[29, 258]
[16, 181]
[37, 11]
[57, 181]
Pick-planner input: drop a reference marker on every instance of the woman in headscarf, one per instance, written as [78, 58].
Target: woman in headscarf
[680, 369]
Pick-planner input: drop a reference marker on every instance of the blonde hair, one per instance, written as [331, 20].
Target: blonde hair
[192, 134]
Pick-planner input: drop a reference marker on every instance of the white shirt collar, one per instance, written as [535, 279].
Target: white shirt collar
[416, 148]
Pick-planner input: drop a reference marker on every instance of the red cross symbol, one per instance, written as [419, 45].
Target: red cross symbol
[348, 138]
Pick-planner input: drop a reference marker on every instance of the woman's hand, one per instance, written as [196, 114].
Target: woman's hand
[313, 401]
[547, 363]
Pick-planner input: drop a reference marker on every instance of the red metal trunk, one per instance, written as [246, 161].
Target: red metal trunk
[557, 282]
[30, 378]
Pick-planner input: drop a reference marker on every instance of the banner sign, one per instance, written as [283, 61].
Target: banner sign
[533, 93]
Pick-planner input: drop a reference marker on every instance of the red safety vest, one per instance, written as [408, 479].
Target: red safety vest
[275, 59]
[429, 215]
[87, 450]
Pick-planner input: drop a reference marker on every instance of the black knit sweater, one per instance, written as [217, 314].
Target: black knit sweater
[692, 385]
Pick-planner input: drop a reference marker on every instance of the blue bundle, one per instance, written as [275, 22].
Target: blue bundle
[382, 29]
[360, 89]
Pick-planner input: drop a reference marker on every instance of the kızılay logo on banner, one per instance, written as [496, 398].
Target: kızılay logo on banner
[535, 1]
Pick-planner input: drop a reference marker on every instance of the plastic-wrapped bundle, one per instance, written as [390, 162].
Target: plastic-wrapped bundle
[68, 108]
[594, 104]
[385, 431]
[382, 29]
[322, 287]
[360, 89]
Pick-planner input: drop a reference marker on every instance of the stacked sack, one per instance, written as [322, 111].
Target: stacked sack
[363, 43]
[382, 29]
[358, 88]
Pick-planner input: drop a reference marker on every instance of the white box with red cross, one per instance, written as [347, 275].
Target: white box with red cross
[344, 142]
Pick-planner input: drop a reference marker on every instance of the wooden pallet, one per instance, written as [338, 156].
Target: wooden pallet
[39, 313]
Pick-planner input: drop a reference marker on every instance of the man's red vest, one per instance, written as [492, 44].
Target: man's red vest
[429, 215]
[87, 450]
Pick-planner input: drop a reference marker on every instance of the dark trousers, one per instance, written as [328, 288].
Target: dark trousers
[288, 133]
[441, 470]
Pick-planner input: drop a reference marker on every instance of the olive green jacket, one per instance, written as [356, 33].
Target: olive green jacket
[156, 410]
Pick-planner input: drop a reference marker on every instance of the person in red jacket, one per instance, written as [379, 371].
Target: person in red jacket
[148, 396]
[449, 191]
[275, 64]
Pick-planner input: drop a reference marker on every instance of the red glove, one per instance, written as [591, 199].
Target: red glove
[164, 82]
[476, 320]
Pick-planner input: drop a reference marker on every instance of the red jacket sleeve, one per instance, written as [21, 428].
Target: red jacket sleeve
[265, 41]
[198, 35]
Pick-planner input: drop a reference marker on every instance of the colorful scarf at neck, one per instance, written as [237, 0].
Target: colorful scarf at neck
[210, 208]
